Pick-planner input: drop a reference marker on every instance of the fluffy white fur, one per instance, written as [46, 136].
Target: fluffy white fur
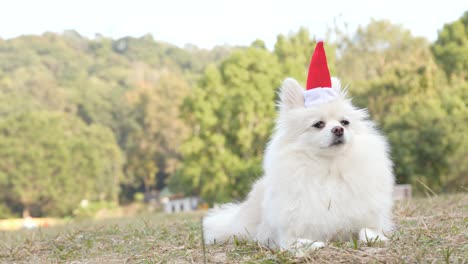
[312, 191]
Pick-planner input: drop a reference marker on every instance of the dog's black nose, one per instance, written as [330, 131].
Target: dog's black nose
[338, 131]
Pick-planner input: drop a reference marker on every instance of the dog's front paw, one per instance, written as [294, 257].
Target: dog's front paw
[369, 235]
[302, 246]
[309, 244]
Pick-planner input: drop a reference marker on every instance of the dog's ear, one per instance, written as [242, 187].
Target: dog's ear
[291, 94]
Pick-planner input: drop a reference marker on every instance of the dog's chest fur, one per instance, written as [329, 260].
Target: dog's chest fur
[326, 201]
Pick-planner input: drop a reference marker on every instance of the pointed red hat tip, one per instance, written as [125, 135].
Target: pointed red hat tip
[318, 76]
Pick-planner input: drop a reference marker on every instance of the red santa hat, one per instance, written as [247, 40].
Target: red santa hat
[318, 76]
[319, 83]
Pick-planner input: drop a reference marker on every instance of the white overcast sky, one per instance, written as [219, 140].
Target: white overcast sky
[206, 23]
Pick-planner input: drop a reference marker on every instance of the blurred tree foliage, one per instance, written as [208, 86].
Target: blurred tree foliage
[52, 161]
[451, 48]
[132, 86]
[231, 115]
[135, 114]
[152, 147]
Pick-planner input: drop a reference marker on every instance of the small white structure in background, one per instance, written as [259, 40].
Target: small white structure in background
[180, 204]
[84, 203]
[402, 191]
[28, 223]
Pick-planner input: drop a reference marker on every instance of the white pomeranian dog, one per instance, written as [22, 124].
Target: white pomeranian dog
[327, 176]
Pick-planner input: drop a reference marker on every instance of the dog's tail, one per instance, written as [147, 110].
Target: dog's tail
[234, 219]
[220, 224]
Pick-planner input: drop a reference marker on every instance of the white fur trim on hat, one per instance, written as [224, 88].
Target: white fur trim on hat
[319, 96]
[322, 95]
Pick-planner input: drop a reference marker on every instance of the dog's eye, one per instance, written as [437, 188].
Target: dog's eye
[344, 122]
[319, 124]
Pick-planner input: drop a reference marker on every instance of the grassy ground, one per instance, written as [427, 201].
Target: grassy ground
[431, 230]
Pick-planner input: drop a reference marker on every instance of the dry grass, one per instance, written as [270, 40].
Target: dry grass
[431, 230]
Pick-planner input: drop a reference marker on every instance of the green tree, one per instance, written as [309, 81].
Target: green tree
[451, 53]
[53, 160]
[231, 114]
[451, 48]
[153, 145]
[382, 49]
